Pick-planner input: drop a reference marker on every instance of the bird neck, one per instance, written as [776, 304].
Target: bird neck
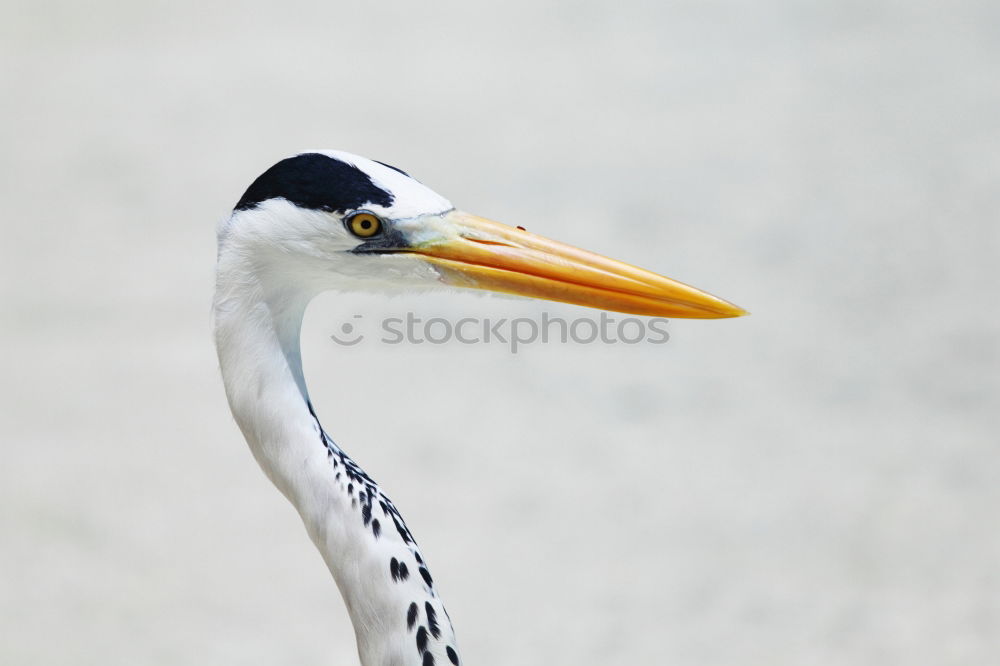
[397, 616]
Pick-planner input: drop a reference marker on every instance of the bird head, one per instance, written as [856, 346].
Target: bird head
[332, 220]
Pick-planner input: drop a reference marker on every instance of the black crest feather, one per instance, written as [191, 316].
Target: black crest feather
[318, 182]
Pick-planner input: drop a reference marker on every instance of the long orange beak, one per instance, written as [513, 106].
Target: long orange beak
[474, 252]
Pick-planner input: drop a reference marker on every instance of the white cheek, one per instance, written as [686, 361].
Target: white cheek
[315, 248]
[381, 272]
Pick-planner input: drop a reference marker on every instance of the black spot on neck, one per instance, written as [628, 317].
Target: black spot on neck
[316, 182]
[422, 640]
[432, 622]
[411, 615]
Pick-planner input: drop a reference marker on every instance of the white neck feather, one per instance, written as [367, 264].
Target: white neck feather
[398, 618]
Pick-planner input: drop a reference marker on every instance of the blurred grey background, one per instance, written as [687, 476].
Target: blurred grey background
[818, 483]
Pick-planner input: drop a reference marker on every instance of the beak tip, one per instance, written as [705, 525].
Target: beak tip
[731, 311]
[719, 308]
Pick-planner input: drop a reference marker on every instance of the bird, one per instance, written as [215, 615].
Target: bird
[330, 220]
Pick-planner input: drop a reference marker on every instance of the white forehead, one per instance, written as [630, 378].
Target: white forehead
[409, 197]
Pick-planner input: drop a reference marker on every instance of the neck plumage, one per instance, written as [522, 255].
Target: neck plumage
[398, 618]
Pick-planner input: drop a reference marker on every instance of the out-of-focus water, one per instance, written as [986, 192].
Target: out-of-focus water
[818, 483]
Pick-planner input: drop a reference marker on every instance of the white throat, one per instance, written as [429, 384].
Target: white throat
[397, 616]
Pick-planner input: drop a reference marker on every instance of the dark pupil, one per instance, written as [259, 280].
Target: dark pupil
[366, 224]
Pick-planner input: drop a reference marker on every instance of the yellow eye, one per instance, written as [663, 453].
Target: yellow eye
[364, 225]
